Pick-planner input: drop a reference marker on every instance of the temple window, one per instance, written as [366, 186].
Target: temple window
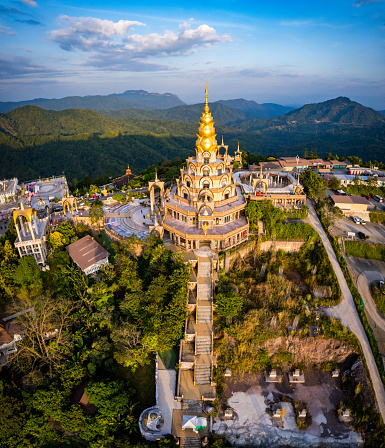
[206, 172]
[185, 195]
[188, 183]
[206, 160]
[219, 172]
[193, 220]
[226, 196]
[206, 185]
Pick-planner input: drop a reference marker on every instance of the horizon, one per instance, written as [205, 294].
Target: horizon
[289, 54]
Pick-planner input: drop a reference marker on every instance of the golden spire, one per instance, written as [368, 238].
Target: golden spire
[206, 135]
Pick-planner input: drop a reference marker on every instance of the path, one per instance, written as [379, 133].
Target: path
[346, 312]
[166, 390]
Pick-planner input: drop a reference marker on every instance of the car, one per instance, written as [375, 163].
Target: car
[368, 198]
[363, 222]
[356, 220]
[361, 235]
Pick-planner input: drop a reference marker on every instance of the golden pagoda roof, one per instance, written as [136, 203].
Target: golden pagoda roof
[206, 141]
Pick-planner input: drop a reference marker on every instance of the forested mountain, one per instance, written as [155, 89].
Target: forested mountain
[138, 99]
[35, 142]
[253, 110]
[223, 115]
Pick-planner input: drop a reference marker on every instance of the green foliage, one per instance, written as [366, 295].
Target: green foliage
[27, 276]
[335, 184]
[379, 298]
[94, 189]
[119, 197]
[365, 250]
[313, 184]
[378, 217]
[229, 305]
[96, 212]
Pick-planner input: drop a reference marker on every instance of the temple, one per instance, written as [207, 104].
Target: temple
[205, 207]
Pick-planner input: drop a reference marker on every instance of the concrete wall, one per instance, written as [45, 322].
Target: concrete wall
[286, 246]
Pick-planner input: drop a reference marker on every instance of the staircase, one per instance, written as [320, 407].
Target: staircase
[203, 314]
[202, 374]
[190, 442]
[203, 345]
[204, 269]
[204, 291]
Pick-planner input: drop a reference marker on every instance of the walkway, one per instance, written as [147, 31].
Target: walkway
[166, 392]
[346, 312]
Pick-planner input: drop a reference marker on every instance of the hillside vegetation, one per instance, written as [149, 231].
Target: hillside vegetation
[35, 142]
[139, 99]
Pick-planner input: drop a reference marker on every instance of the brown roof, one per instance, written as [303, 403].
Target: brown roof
[86, 252]
[5, 337]
[341, 199]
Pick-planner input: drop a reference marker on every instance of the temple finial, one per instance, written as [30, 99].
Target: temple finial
[156, 175]
[222, 141]
[238, 145]
[206, 108]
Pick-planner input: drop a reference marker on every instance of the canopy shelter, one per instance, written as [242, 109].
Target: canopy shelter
[194, 422]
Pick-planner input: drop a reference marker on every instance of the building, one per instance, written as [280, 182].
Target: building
[10, 334]
[205, 207]
[32, 234]
[89, 255]
[352, 205]
[278, 186]
[123, 180]
[7, 189]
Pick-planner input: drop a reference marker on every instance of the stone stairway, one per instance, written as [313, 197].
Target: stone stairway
[204, 269]
[203, 345]
[202, 374]
[190, 442]
[192, 405]
[203, 314]
[204, 291]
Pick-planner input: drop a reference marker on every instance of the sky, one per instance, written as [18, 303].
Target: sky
[287, 52]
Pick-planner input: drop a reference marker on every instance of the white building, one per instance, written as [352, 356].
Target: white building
[32, 234]
[88, 254]
[7, 189]
[10, 334]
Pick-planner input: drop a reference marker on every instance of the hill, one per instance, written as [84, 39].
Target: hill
[35, 142]
[33, 120]
[138, 99]
[253, 110]
[223, 115]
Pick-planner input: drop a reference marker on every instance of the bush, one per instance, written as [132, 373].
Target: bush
[377, 217]
[365, 250]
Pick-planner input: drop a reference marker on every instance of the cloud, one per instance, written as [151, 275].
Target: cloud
[12, 11]
[88, 33]
[113, 47]
[360, 3]
[29, 21]
[18, 66]
[29, 3]
[6, 31]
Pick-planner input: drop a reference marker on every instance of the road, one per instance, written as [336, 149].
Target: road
[376, 232]
[346, 312]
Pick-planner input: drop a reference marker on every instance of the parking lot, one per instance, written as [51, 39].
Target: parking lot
[376, 232]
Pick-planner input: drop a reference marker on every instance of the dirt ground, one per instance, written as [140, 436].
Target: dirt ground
[251, 398]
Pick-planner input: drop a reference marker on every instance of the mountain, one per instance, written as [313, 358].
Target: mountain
[35, 142]
[337, 112]
[223, 115]
[33, 120]
[138, 99]
[253, 110]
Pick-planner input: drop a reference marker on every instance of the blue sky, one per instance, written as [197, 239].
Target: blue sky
[289, 52]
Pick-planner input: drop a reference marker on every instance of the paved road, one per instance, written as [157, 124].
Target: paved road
[363, 285]
[375, 231]
[346, 312]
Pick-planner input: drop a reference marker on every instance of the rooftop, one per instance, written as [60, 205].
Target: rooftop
[86, 252]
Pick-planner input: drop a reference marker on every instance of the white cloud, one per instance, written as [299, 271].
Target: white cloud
[112, 44]
[89, 33]
[5, 30]
[29, 3]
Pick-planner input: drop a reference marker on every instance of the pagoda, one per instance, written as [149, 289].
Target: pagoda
[206, 207]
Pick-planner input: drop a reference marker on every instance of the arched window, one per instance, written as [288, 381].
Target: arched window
[206, 172]
[206, 160]
[206, 185]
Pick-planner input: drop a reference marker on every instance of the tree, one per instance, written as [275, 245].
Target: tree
[27, 275]
[96, 212]
[119, 197]
[305, 153]
[332, 213]
[94, 190]
[314, 185]
[335, 184]
[46, 340]
[229, 305]
[57, 240]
